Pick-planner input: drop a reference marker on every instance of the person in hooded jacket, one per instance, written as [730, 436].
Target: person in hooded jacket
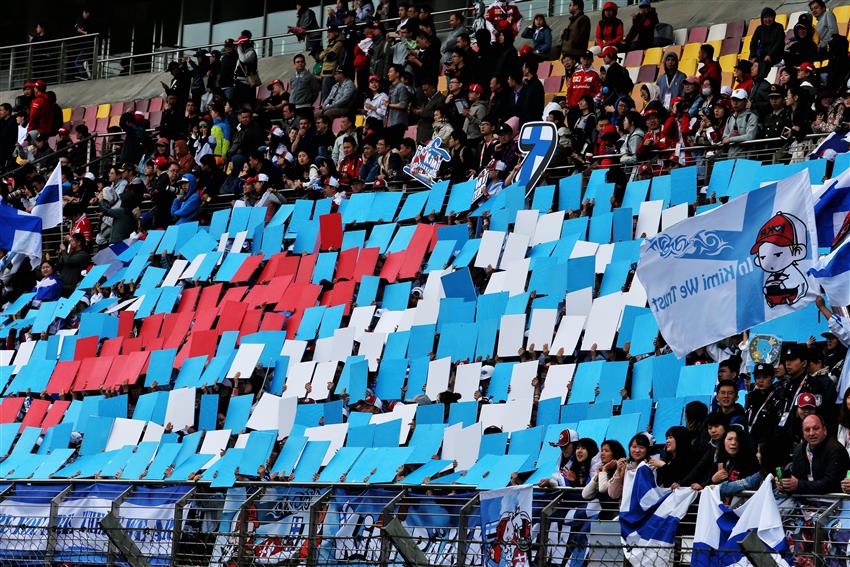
[617, 79]
[609, 30]
[642, 33]
[122, 214]
[41, 114]
[187, 205]
[676, 459]
[672, 81]
[651, 93]
[768, 42]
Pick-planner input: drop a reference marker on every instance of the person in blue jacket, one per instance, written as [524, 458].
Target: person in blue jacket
[49, 287]
[541, 35]
[186, 207]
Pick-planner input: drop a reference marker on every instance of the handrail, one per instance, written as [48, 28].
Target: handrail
[93, 35]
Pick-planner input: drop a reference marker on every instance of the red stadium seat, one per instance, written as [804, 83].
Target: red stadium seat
[155, 104]
[633, 58]
[89, 111]
[736, 29]
[129, 106]
[263, 92]
[730, 45]
[78, 114]
[647, 74]
[544, 69]
[142, 104]
[553, 84]
[101, 125]
[410, 132]
[155, 118]
[698, 35]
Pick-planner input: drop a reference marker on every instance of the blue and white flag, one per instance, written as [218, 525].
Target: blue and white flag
[506, 526]
[649, 517]
[834, 144]
[20, 233]
[832, 272]
[832, 207]
[721, 529]
[733, 267]
[48, 204]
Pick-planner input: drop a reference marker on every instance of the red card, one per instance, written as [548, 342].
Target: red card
[366, 261]
[111, 347]
[273, 321]
[35, 415]
[292, 324]
[305, 268]
[250, 322]
[247, 269]
[415, 252]
[187, 300]
[63, 377]
[125, 323]
[9, 409]
[346, 264]
[209, 297]
[136, 344]
[93, 373]
[330, 231]
[175, 327]
[54, 414]
[231, 316]
[392, 265]
[127, 369]
[85, 348]
[341, 294]
[152, 324]
[280, 264]
[233, 295]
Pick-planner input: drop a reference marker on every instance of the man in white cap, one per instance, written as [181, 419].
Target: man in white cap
[742, 126]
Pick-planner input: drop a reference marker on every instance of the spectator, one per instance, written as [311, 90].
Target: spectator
[502, 14]
[8, 135]
[375, 105]
[41, 115]
[458, 69]
[676, 459]
[475, 114]
[584, 82]
[584, 126]
[306, 21]
[609, 30]
[502, 104]
[736, 457]
[506, 150]
[398, 105]
[642, 33]
[759, 96]
[716, 426]
[72, 261]
[380, 53]
[610, 453]
[827, 26]
[802, 47]
[617, 79]
[330, 58]
[350, 163]
[162, 195]
[576, 35]
[456, 23]
[530, 100]
[710, 69]
[304, 87]
[121, 213]
[671, 82]
[768, 42]
[638, 453]
[370, 168]
[818, 464]
[726, 396]
[742, 126]
[807, 79]
[567, 443]
[843, 436]
[248, 136]
[442, 128]
[633, 131]
[49, 287]
[428, 98]
[799, 107]
[341, 98]
[426, 59]
[187, 205]
[541, 35]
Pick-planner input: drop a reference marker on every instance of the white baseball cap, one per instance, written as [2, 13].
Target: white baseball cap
[262, 177]
[332, 181]
[739, 94]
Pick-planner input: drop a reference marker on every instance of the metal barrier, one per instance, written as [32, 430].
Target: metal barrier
[317, 525]
[54, 61]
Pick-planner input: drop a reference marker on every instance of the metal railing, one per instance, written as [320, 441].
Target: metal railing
[54, 61]
[272, 523]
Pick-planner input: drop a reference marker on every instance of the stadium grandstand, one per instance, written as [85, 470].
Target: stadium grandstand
[379, 282]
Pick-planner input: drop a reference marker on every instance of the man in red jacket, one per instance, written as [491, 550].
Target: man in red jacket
[41, 110]
[710, 68]
[584, 81]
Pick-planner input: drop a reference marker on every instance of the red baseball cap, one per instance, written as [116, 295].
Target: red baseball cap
[650, 112]
[566, 437]
[476, 88]
[39, 84]
[778, 230]
[159, 161]
[240, 40]
[806, 66]
[62, 131]
[610, 51]
[29, 85]
[807, 400]
[374, 78]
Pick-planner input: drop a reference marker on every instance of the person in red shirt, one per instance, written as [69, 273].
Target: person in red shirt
[609, 30]
[744, 75]
[349, 165]
[585, 81]
[654, 140]
[41, 110]
[504, 11]
[710, 68]
[80, 222]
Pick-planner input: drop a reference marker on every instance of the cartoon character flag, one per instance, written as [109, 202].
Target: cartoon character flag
[506, 526]
[734, 267]
[426, 162]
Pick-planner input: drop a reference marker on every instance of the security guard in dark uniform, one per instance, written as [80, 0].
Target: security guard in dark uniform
[764, 404]
[779, 118]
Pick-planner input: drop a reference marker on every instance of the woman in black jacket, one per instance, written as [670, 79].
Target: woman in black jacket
[676, 459]
[736, 456]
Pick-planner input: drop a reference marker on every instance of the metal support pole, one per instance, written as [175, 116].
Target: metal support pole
[820, 526]
[243, 525]
[52, 536]
[8, 491]
[389, 514]
[116, 507]
[313, 527]
[95, 71]
[178, 522]
[461, 530]
[542, 539]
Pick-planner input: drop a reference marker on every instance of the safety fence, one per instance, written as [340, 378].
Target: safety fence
[117, 523]
[54, 61]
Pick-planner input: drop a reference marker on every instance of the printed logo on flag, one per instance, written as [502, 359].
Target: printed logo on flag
[426, 162]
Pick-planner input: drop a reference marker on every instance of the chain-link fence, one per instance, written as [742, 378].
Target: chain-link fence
[114, 523]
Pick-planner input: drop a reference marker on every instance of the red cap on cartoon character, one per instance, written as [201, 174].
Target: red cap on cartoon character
[778, 230]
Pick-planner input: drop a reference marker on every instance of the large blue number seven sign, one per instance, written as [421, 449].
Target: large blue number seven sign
[537, 140]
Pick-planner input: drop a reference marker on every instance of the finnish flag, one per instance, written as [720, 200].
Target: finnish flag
[48, 204]
[650, 516]
[832, 207]
[832, 272]
[20, 235]
[720, 529]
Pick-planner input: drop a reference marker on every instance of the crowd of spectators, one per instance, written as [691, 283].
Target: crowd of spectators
[341, 123]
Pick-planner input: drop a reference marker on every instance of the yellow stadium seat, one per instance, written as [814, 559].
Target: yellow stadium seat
[66, 114]
[113, 121]
[442, 84]
[754, 23]
[359, 120]
[745, 47]
[842, 13]
[782, 19]
[727, 62]
[557, 69]
[726, 79]
[688, 66]
[691, 51]
[103, 110]
[652, 56]
[718, 44]
[639, 102]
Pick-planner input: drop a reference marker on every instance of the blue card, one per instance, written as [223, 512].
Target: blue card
[660, 189]
[440, 256]
[401, 239]
[622, 225]
[465, 413]
[614, 278]
[623, 427]
[390, 379]
[208, 415]
[586, 380]
[641, 408]
[467, 253]
[160, 367]
[460, 199]
[413, 205]
[380, 236]
[331, 321]
[340, 464]
[721, 175]
[614, 379]
[238, 411]
[436, 198]
[600, 228]
[190, 372]
[310, 322]
[201, 243]
[668, 412]
[231, 264]
[151, 407]
[368, 291]
[543, 198]
[635, 194]
[683, 185]
[396, 296]
[95, 435]
[697, 380]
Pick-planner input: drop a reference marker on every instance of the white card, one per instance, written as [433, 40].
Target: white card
[558, 378]
[548, 228]
[511, 331]
[467, 380]
[490, 249]
[568, 333]
[438, 377]
[542, 328]
[603, 322]
[649, 218]
[180, 410]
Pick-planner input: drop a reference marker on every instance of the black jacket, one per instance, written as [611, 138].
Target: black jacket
[530, 103]
[768, 41]
[8, 139]
[829, 465]
[70, 266]
[246, 139]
